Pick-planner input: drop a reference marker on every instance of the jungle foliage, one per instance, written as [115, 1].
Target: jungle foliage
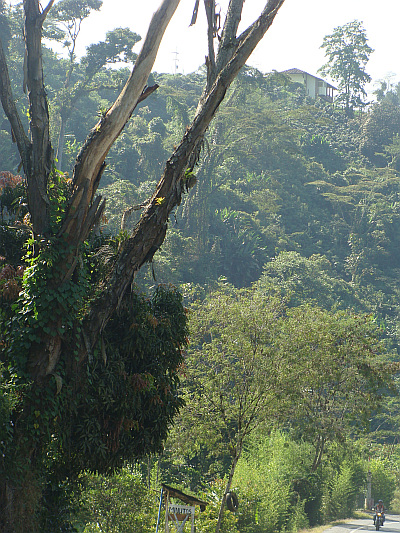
[284, 249]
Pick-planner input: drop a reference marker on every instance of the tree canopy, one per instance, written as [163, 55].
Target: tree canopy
[348, 53]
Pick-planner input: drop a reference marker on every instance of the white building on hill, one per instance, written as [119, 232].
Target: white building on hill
[315, 87]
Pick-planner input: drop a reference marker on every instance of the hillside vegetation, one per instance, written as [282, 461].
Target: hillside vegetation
[258, 351]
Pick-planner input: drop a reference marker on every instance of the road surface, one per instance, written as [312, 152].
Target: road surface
[362, 525]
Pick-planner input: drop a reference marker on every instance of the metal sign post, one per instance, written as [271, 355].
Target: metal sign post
[159, 509]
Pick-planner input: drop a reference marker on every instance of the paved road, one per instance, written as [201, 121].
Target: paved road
[392, 525]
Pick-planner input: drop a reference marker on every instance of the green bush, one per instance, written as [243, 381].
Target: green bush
[344, 478]
[395, 503]
[206, 521]
[383, 481]
[339, 498]
[265, 478]
[298, 519]
[119, 503]
[264, 504]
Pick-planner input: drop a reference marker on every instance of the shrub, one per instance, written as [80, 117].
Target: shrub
[383, 481]
[117, 503]
[207, 520]
[339, 498]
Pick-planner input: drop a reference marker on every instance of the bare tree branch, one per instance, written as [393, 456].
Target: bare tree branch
[266, 18]
[210, 12]
[46, 11]
[195, 12]
[11, 111]
[228, 39]
[92, 155]
[151, 228]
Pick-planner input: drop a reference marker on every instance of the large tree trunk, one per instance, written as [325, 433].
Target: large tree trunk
[41, 160]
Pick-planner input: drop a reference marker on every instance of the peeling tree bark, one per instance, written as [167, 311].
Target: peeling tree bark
[87, 171]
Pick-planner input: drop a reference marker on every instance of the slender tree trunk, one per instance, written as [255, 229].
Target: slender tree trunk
[61, 142]
[228, 487]
[319, 451]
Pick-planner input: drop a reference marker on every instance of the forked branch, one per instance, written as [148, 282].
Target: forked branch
[91, 158]
[151, 228]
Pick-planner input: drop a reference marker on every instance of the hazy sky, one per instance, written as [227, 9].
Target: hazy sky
[294, 39]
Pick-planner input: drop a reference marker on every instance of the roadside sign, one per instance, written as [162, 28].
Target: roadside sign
[181, 509]
[177, 514]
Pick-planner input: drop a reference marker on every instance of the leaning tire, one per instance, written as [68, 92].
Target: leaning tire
[232, 501]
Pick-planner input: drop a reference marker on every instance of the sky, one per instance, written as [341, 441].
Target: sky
[293, 40]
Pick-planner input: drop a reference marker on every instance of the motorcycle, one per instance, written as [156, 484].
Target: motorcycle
[379, 519]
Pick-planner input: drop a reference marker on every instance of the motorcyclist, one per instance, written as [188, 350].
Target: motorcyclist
[380, 508]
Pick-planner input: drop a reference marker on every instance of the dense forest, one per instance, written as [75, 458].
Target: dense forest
[256, 352]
